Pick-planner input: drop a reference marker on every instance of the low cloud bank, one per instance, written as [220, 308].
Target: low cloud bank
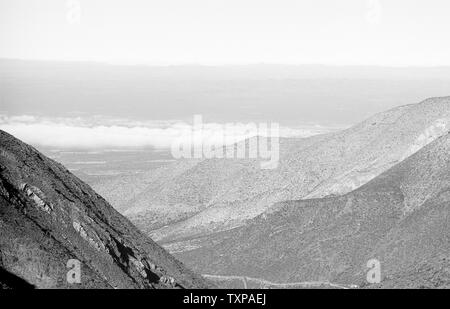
[103, 133]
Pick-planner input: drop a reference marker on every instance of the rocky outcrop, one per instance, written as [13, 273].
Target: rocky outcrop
[48, 217]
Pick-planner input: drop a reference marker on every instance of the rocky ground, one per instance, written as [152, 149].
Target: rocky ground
[401, 218]
[48, 217]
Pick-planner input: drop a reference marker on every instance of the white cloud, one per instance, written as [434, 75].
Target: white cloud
[101, 133]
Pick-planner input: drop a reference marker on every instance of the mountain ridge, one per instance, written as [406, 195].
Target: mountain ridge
[204, 196]
[400, 218]
[48, 217]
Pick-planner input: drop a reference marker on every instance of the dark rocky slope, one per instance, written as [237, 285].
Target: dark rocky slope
[48, 217]
[401, 218]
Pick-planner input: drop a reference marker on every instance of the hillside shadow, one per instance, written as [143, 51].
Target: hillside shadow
[11, 281]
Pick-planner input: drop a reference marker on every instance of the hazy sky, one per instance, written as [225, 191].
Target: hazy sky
[380, 32]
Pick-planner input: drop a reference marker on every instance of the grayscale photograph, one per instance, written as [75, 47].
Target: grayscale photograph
[220, 149]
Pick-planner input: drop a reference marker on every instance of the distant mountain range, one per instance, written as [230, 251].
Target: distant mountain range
[192, 198]
[50, 221]
[289, 94]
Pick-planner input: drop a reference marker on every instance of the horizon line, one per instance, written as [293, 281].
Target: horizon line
[218, 65]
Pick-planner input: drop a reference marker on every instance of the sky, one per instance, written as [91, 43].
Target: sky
[221, 32]
[249, 50]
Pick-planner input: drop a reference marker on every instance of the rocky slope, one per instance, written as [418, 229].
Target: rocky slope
[401, 218]
[197, 197]
[48, 217]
